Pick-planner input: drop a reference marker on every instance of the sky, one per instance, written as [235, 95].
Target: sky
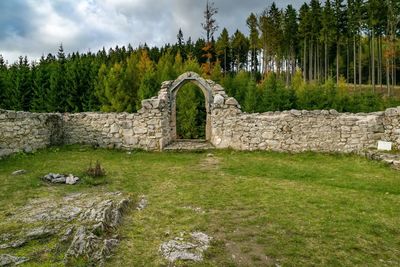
[37, 27]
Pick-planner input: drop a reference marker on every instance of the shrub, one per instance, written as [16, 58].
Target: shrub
[96, 171]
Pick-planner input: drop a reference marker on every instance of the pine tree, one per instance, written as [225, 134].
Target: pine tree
[73, 77]
[3, 72]
[148, 80]
[223, 49]
[100, 88]
[60, 87]
[115, 91]
[253, 41]
[250, 100]
[131, 79]
[341, 29]
[327, 34]
[316, 14]
[165, 68]
[40, 87]
[304, 32]
[240, 50]
[24, 83]
[290, 41]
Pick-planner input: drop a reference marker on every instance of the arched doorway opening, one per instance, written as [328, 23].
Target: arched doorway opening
[191, 113]
[191, 79]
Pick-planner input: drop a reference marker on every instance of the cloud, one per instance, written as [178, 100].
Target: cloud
[38, 27]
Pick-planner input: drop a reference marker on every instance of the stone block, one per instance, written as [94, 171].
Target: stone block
[114, 128]
[231, 102]
[218, 99]
[140, 130]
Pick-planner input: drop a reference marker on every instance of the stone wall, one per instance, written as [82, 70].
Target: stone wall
[391, 123]
[24, 131]
[296, 131]
[154, 126]
[148, 129]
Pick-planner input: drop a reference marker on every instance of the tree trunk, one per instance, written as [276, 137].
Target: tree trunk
[316, 73]
[287, 71]
[388, 76]
[360, 62]
[394, 70]
[304, 61]
[373, 62]
[337, 62]
[347, 61]
[311, 63]
[224, 62]
[326, 61]
[380, 61]
[354, 62]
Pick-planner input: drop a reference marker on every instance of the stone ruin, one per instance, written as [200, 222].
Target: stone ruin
[153, 127]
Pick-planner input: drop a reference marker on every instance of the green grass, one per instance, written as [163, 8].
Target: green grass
[261, 208]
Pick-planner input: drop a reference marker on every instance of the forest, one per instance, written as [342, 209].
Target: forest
[341, 55]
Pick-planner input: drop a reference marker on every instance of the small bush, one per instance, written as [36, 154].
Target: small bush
[96, 171]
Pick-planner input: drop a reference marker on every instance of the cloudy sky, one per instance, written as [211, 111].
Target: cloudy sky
[37, 27]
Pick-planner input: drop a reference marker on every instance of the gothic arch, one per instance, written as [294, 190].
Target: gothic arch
[204, 86]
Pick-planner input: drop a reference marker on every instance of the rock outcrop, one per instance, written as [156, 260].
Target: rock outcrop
[186, 247]
[83, 224]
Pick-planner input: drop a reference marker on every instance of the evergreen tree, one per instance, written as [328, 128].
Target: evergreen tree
[253, 41]
[340, 31]
[148, 80]
[250, 100]
[60, 86]
[240, 50]
[40, 87]
[223, 49]
[131, 79]
[290, 41]
[3, 73]
[327, 34]
[304, 33]
[165, 69]
[24, 83]
[275, 95]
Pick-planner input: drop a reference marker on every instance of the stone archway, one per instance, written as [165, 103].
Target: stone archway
[204, 86]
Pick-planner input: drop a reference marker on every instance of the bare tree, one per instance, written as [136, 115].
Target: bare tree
[210, 25]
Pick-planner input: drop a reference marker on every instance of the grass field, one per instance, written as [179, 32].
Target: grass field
[261, 208]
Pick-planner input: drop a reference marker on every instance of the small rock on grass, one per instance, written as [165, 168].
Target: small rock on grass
[56, 178]
[142, 203]
[18, 172]
[71, 179]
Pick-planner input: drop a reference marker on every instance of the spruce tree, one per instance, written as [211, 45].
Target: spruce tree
[250, 101]
[253, 41]
[40, 87]
[223, 49]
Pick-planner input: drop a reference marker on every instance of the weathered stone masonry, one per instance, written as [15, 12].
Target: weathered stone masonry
[24, 131]
[154, 126]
